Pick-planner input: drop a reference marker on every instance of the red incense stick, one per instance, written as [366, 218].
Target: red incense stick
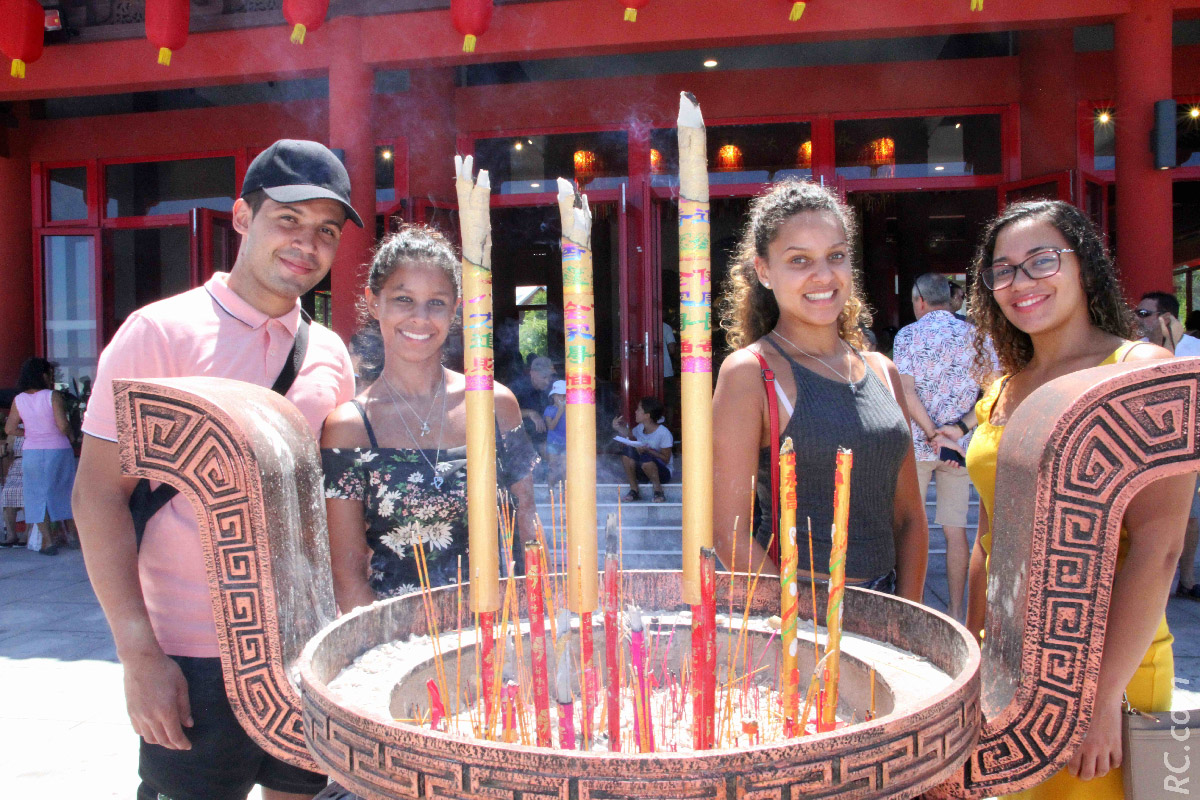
[487, 665]
[612, 635]
[534, 594]
[704, 722]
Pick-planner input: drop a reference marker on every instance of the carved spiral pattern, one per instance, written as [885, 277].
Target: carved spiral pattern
[167, 437]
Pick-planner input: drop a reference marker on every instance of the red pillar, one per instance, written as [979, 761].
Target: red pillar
[1047, 70]
[351, 83]
[1144, 213]
[16, 260]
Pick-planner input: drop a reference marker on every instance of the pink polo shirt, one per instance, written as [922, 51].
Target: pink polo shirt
[213, 332]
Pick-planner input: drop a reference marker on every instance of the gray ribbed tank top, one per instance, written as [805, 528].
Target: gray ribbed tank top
[828, 414]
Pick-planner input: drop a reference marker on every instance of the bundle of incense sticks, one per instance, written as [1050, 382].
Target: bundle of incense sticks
[475, 224]
[580, 333]
[837, 586]
[643, 722]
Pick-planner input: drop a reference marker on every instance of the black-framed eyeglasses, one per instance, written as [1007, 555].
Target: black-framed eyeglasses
[1041, 264]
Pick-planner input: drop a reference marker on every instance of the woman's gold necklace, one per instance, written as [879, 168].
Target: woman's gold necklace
[826, 364]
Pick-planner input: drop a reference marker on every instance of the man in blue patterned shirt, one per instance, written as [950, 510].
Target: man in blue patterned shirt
[935, 355]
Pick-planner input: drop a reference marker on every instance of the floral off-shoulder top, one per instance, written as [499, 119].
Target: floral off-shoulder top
[405, 502]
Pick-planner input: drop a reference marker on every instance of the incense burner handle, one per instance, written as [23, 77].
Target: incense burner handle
[246, 460]
[1093, 439]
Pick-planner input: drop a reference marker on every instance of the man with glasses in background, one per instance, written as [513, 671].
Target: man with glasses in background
[1158, 317]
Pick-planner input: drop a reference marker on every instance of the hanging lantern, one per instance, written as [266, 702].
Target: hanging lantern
[656, 162]
[586, 166]
[631, 8]
[471, 18]
[804, 155]
[798, 10]
[167, 26]
[881, 152]
[22, 33]
[304, 16]
[729, 158]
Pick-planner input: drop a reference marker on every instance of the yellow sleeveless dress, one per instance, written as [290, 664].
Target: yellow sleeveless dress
[1150, 687]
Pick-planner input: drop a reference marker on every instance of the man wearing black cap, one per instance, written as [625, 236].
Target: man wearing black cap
[246, 325]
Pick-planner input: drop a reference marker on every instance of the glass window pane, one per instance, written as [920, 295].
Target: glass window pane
[68, 193]
[739, 153]
[530, 164]
[918, 147]
[1104, 140]
[531, 295]
[385, 175]
[168, 187]
[148, 264]
[70, 310]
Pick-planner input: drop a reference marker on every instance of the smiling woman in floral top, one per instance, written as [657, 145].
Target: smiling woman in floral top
[395, 457]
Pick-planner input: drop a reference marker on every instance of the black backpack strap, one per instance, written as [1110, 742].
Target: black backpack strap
[144, 502]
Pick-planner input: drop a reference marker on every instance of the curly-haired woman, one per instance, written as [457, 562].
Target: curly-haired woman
[793, 300]
[395, 457]
[1046, 292]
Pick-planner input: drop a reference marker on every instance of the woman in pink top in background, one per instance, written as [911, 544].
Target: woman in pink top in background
[49, 460]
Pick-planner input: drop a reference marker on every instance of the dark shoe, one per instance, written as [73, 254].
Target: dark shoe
[52, 550]
[1193, 592]
[632, 496]
[660, 496]
[9, 543]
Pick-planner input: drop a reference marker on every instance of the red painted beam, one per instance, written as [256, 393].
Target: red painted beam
[527, 31]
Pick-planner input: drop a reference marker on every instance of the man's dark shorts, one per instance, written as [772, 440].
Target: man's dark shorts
[224, 762]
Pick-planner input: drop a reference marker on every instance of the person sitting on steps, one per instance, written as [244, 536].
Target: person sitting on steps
[653, 455]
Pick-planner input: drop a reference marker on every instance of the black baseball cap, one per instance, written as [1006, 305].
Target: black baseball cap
[295, 170]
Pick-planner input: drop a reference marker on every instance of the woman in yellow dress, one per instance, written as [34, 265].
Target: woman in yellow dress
[1047, 294]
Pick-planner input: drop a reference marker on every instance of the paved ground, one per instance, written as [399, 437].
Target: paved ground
[63, 729]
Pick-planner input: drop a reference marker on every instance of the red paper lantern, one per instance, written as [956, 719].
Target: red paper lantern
[21, 33]
[798, 10]
[729, 158]
[471, 18]
[804, 155]
[656, 162]
[881, 152]
[631, 8]
[167, 26]
[304, 16]
[586, 166]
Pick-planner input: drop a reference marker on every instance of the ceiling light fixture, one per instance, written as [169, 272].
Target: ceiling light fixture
[518, 146]
[710, 63]
[1194, 112]
[1104, 117]
[387, 155]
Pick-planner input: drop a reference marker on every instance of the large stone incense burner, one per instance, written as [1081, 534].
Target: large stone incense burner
[1072, 457]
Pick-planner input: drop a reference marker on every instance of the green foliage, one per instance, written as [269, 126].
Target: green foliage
[533, 334]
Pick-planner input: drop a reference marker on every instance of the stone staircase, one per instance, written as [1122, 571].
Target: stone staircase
[652, 536]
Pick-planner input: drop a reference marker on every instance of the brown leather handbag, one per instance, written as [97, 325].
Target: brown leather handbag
[1157, 761]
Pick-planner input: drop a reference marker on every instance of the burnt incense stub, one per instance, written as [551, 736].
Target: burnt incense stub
[246, 460]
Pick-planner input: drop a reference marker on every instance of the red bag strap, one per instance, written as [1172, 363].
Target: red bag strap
[768, 376]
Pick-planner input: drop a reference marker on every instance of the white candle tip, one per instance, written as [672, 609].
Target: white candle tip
[565, 189]
[635, 618]
[483, 182]
[689, 111]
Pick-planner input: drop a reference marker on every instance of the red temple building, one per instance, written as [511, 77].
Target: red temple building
[118, 172]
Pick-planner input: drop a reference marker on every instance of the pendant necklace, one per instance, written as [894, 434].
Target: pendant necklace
[827, 365]
[438, 478]
[424, 422]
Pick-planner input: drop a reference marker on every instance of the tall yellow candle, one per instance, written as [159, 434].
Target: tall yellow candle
[837, 583]
[476, 228]
[789, 588]
[695, 322]
[579, 317]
